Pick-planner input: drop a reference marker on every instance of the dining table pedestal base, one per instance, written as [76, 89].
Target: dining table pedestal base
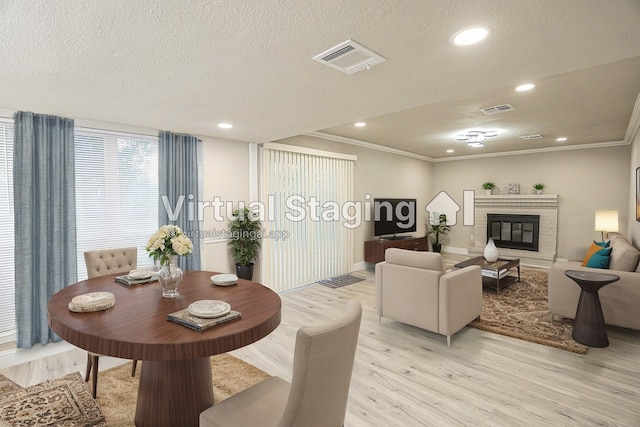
[174, 392]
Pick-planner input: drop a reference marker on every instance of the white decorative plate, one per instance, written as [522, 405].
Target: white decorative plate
[224, 279]
[208, 308]
[140, 274]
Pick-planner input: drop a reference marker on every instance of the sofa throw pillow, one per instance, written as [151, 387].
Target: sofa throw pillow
[595, 247]
[600, 259]
[603, 244]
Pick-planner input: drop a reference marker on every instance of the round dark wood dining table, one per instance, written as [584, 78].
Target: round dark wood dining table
[175, 380]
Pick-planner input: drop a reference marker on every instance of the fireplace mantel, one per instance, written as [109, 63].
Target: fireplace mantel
[545, 205]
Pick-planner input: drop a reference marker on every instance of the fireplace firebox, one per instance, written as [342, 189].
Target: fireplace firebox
[514, 231]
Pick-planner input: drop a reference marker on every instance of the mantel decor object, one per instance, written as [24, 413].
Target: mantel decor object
[491, 251]
[165, 245]
[514, 188]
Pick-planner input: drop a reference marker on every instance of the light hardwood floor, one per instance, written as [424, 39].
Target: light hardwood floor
[405, 376]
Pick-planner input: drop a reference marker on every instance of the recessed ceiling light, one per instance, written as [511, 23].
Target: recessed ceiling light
[450, 151]
[225, 125]
[469, 36]
[360, 124]
[561, 139]
[525, 87]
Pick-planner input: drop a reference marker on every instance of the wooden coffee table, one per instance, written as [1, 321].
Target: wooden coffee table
[494, 274]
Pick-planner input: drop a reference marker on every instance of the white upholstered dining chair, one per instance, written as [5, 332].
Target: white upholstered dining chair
[100, 263]
[317, 396]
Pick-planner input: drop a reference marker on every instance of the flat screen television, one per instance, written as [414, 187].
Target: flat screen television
[394, 216]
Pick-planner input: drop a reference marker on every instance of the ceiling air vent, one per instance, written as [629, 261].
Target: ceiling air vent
[526, 137]
[497, 109]
[349, 57]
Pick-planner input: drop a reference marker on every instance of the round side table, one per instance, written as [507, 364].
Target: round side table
[588, 327]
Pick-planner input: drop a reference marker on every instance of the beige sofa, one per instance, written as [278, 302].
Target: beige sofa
[620, 300]
[412, 287]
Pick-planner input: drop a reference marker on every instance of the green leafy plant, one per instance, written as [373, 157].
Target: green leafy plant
[439, 226]
[538, 186]
[488, 185]
[246, 233]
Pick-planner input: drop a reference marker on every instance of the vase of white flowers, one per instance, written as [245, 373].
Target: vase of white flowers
[164, 246]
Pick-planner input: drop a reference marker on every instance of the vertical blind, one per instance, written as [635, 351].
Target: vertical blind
[312, 244]
[116, 192]
[7, 277]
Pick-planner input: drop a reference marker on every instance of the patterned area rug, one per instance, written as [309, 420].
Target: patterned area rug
[117, 390]
[522, 311]
[340, 281]
[67, 401]
[62, 402]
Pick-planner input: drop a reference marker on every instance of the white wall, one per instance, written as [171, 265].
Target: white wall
[585, 181]
[226, 175]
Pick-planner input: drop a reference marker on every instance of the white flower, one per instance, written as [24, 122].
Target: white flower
[167, 241]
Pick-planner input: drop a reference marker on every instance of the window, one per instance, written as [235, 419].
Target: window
[7, 277]
[116, 192]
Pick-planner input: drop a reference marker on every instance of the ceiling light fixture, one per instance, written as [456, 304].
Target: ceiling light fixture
[525, 87]
[476, 138]
[225, 125]
[561, 139]
[469, 36]
[360, 124]
[450, 151]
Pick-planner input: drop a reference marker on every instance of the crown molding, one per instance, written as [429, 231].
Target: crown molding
[377, 147]
[369, 145]
[634, 122]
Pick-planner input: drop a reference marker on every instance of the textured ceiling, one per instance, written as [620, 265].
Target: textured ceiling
[186, 66]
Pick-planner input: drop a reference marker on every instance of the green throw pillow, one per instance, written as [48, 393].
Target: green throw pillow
[600, 259]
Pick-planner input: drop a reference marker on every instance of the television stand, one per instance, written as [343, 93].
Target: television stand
[396, 237]
[374, 249]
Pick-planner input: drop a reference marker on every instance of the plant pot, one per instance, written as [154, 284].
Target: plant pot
[487, 192]
[538, 191]
[244, 271]
[436, 247]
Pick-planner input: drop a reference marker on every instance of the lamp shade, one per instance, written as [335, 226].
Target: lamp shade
[606, 221]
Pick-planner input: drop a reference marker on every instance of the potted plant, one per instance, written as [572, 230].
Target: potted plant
[439, 228]
[539, 188]
[245, 241]
[488, 187]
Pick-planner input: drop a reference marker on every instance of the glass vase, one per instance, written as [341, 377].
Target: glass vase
[170, 276]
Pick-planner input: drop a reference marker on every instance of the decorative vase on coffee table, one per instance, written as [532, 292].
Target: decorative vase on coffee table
[170, 276]
[491, 251]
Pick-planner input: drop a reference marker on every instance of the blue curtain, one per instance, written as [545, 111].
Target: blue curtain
[45, 220]
[178, 170]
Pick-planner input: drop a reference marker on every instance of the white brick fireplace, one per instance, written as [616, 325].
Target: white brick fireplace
[545, 205]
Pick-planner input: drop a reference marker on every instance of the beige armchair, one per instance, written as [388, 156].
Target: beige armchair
[413, 288]
[100, 263]
[317, 396]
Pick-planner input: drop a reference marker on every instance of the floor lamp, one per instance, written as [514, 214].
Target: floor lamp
[606, 221]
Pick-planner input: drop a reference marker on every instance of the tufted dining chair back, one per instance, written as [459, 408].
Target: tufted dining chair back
[110, 261]
[101, 263]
